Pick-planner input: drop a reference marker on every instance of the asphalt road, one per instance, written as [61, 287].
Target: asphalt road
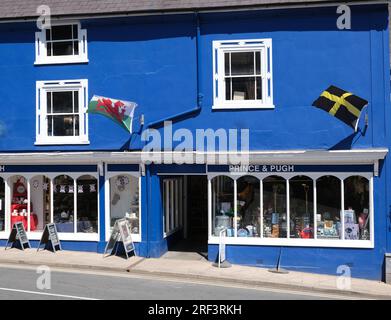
[21, 283]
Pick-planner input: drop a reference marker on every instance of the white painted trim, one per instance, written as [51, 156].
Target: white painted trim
[299, 157]
[42, 87]
[41, 57]
[321, 243]
[242, 45]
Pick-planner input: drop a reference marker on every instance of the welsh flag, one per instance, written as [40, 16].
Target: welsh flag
[117, 110]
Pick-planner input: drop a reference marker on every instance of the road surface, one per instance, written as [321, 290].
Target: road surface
[18, 282]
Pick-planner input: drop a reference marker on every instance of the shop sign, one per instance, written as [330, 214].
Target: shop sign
[287, 168]
[50, 235]
[253, 168]
[18, 234]
[120, 232]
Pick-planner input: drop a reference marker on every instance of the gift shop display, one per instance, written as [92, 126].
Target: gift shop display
[329, 207]
[248, 210]
[124, 201]
[223, 205]
[301, 199]
[274, 207]
[19, 205]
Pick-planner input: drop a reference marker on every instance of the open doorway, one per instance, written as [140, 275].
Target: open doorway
[192, 215]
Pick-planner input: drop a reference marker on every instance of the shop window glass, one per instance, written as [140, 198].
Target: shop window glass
[40, 203]
[248, 200]
[2, 204]
[356, 213]
[124, 200]
[87, 204]
[223, 205]
[301, 200]
[328, 195]
[274, 207]
[19, 201]
[63, 207]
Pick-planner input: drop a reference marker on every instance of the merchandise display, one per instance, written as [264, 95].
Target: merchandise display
[274, 213]
[19, 206]
[124, 194]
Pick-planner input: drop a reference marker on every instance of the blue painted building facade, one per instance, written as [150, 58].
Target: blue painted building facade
[165, 63]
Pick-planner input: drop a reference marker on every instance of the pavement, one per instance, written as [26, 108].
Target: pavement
[193, 267]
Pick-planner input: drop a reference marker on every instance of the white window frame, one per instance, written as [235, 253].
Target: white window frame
[219, 50]
[41, 57]
[43, 87]
[331, 243]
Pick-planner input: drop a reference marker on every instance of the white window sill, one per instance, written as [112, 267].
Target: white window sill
[242, 106]
[61, 142]
[61, 61]
[321, 243]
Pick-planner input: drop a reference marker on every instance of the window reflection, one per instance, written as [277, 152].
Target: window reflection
[301, 199]
[328, 194]
[356, 213]
[248, 200]
[274, 207]
[87, 204]
[63, 199]
[223, 205]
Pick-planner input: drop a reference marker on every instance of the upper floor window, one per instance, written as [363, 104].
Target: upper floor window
[243, 74]
[61, 112]
[62, 43]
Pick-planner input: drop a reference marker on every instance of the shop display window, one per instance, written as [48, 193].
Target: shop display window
[301, 200]
[64, 204]
[124, 200]
[40, 203]
[274, 207]
[87, 204]
[19, 202]
[248, 207]
[356, 213]
[328, 216]
[315, 207]
[223, 205]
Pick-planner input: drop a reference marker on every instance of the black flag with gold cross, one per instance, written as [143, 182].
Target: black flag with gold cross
[341, 104]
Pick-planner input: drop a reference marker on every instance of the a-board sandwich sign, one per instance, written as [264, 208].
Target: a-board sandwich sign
[50, 236]
[18, 234]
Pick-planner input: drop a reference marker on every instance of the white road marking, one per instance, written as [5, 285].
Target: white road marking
[46, 294]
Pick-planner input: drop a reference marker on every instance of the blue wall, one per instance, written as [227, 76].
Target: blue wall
[152, 61]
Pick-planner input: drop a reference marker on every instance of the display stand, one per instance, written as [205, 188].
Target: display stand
[50, 236]
[18, 234]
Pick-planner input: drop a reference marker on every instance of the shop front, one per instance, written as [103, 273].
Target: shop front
[67, 195]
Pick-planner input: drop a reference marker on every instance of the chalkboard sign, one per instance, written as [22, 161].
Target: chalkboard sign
[50, 235]
[18, 234]
[120, 232]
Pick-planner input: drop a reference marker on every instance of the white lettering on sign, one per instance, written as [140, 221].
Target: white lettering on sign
[2, 168]
[262, 168]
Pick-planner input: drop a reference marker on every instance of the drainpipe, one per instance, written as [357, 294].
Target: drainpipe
[200, 96]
